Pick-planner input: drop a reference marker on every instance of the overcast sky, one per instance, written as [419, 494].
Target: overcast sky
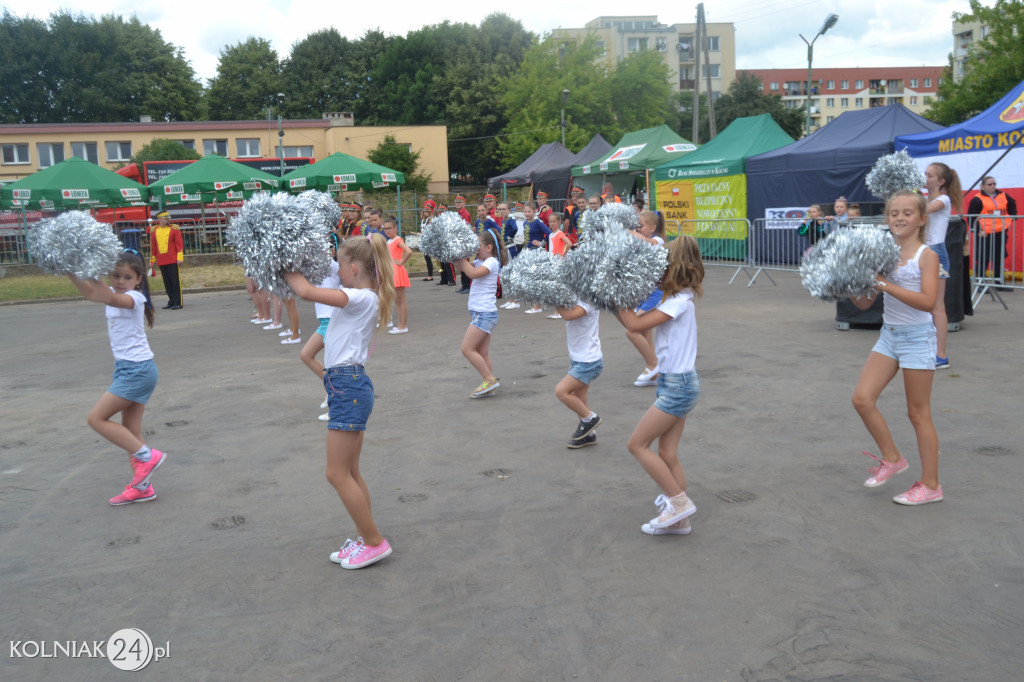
[869, 32]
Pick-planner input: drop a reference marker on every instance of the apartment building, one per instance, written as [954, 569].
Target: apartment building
[965, 35]
[834, 91]
[618, 37]
[26, 148]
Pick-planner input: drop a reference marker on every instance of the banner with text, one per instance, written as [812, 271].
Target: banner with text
[714, 210]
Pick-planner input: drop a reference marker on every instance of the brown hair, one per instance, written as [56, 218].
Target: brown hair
[133, 259]
[371, 254]
[657, 219]
[493, 239]
[685, 267]
[950, 184]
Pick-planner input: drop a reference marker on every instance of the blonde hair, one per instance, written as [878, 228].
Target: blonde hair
[950, 184]
[922, 209]
[657, 220]
[371, 254]
[685, 267]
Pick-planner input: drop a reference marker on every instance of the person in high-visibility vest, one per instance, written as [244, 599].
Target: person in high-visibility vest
[990, 232]
[167, 250]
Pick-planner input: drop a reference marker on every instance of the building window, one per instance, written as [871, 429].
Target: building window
[844, 85]
[830, 102]
[858, 102]
[913, 100]
[636, 44]
[248, 147]
[712, 43]
[85, 150]
[830, 85]
[844, 102]
[662, 44]
[716, 70]
[913, 82]
[292, 152]
[774, 85]
[118, 151]
[830, 119]
[601, 48]
[927, 82]
[215, 147]
[939, 82]
[14, 154]
[49, 153]
[860, 85]
[188, 144]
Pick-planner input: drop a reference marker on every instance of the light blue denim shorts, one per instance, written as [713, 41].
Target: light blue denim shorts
[677, 393]
[913, 345]
[940, 249]
[585, 372]
[485, 321]
[322, 329]
[349, 397]
[134, 381]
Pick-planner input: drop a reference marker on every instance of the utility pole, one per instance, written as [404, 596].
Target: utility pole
[696, 78]
[707, 65]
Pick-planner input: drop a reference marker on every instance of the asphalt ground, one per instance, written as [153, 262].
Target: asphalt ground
[515, 558]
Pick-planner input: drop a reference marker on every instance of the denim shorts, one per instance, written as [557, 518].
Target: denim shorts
[349, 397]
[484, 321]
[940, 249]
[678, 393]
[585, 372]
[322, 329]
[913, 345]
[651, 303]
[134, 381]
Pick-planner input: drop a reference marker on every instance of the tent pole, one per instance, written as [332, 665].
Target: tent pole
[398, 210]
[647, 188]
[24, 231]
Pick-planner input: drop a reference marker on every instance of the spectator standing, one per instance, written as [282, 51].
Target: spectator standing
[990, 229]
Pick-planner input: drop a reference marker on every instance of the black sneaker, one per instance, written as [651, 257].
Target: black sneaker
[586, 427]
[588, 439]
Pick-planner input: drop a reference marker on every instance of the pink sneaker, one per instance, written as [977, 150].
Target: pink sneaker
[142, 470]
[673, 509]
[884, 471]
[133, 494]
[346, 549]
[677, 528]
[363, 555]
[919, 494]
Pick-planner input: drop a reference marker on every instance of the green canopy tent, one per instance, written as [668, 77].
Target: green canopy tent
[705, 192]
[73, 184]
[636, 154]
[211, 179]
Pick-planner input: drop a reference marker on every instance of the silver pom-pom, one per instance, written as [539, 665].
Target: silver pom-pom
[845, 263]
[276, 233]
[590, 223]
[622, 215]
[894, 173]
[613, 269]
[74, 242]
[448, 239]
[323, 206]
[537, 276]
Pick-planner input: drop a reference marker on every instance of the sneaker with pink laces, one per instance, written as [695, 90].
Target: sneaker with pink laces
[133, 494]
[363, 555]
[346, 549]
[673, 509]
[884, 471]
[143, 470]
[919, 494]
[678, 528]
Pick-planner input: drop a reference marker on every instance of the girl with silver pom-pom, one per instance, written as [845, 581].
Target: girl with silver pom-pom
[359, 307]
[476, 344]
[651, 230]
[907, 342]
[537, 234]
[128, 308]
[678, 384]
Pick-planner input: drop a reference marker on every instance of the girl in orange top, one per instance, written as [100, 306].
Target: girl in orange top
[400, 254]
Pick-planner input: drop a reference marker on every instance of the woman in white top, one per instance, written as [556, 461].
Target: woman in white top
[944, 194]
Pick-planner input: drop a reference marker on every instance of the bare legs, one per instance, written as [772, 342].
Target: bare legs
[878, 371]
[343, 448]
[663, 466]
[941, 321]
[128, 434]
[476, 346]
[402, 308]
[573, 394]
[308, 355]
[293, 316]
[644, 342]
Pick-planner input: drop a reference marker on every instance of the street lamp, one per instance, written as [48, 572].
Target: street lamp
[280, 131]
[830, 21]
[565, 96]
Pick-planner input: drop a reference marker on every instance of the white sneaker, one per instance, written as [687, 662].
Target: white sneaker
[325, 417]
[396, 330]
[504, 305]
[678, 528]
[261, 322]
[287, 332]
[554, 316]
[512, 306]
[391, 324]
[323, 405]
[533, 311]
[289, 340]
[647, 375]
[272, 327]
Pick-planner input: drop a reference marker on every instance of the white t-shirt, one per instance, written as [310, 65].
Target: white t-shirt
[483, 290]
[658, 240]
[582, 335]
[331, 281]
[127, 330]
[676, 340]
[351, 329]
[935, 233]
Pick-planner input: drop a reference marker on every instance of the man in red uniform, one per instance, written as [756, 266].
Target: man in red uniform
[167, 249]
[460, 206]
[543, 210]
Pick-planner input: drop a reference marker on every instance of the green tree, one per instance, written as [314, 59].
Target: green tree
[641, 96]
[75, 68]
[994, 64]
[162, 149]
[247, 82]
[746, 97]
[401, 158]
[320, 75]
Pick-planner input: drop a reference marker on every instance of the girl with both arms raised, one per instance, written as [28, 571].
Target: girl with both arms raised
[360, 306]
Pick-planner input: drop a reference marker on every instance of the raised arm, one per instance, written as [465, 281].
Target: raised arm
[335, 298]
